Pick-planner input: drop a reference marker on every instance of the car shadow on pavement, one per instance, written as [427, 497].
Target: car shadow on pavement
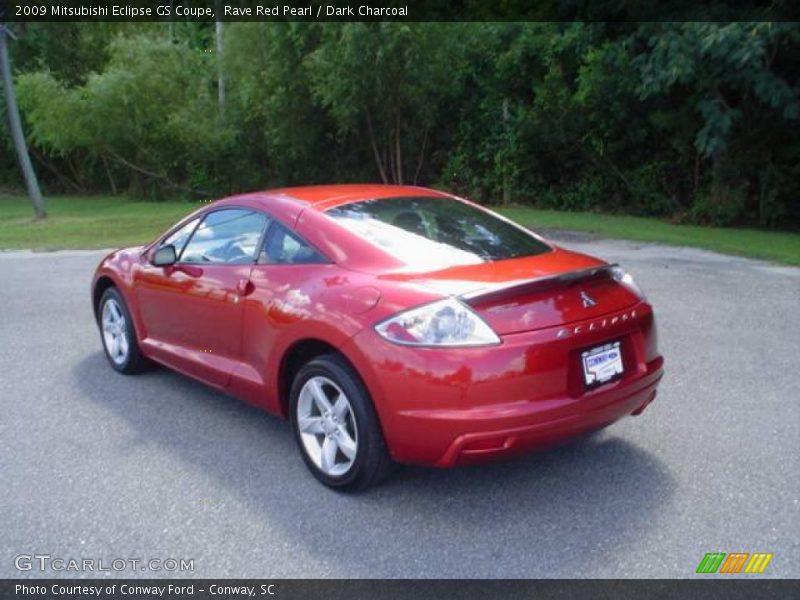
[529, 517]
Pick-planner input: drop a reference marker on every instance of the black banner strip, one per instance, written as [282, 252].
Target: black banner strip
[398, 10]
[717, 588]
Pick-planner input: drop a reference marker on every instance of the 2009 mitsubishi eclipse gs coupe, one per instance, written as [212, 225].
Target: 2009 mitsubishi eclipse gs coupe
[388, 323]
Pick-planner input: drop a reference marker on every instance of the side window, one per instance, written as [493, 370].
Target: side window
[179, 237]
[284, 247]
[226, 236]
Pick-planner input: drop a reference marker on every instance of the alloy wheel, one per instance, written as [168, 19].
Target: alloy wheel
[115, 331]
[327, 426]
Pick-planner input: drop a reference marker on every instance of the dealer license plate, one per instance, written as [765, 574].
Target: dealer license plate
[602, 364]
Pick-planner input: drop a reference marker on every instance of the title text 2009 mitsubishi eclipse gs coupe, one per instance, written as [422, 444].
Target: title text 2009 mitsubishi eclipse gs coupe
[388, 323]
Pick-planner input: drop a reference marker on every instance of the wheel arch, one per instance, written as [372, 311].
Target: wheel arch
[105, 280]
[100, 286]
[298, 354]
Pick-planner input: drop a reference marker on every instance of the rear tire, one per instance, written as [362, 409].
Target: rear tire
[336, 427]
[118, 334]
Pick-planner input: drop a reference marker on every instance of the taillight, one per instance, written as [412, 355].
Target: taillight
[447, 322]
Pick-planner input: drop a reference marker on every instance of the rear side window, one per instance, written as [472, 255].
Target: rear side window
[284, 247]
[226, 236]
[437, 230]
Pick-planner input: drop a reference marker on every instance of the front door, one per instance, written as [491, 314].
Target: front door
[192, 310]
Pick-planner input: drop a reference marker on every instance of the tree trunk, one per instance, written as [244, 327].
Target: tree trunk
[50, 167]
[719, 190]
[389, 153]
[15, 126]
[374, 144]
[172, 22]
[220, 69]
[110, 177]
[421, 156]
[506, 179]
[398, 152]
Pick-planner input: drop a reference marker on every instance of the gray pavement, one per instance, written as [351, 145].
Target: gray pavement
[98, 465]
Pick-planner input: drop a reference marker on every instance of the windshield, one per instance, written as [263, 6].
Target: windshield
[436, 231]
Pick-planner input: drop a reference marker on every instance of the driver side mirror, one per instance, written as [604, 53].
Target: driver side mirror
[165, 256]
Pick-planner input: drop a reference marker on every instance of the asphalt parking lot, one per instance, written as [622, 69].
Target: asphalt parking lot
[95, 464]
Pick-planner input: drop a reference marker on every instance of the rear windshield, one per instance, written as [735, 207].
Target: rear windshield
[436, 230]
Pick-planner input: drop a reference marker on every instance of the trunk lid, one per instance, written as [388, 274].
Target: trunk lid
[530, 293]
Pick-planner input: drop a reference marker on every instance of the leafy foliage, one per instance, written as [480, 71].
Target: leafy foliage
[696, 121]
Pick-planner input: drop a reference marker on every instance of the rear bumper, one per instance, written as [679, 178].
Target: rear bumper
[447, 407]
[489, 438]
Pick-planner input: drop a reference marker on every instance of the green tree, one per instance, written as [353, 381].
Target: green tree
[727, 74]
[387, 83]
[289, 137]
[151, 113]
[695, 121]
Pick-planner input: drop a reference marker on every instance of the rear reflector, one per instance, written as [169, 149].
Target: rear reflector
[487, 445]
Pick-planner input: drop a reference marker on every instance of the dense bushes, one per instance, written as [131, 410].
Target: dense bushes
[696, 121]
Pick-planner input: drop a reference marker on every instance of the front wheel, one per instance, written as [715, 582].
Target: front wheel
[336, 427]
[118, 334]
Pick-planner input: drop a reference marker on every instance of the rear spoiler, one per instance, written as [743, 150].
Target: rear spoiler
[521, 286]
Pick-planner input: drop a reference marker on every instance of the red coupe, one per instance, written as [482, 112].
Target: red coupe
[387, 323]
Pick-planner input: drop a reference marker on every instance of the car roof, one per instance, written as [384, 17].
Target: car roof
[289, 202]
[323, 197]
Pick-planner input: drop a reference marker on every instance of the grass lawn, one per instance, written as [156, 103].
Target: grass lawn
[777, 246]
[103, 222]
[75, 222]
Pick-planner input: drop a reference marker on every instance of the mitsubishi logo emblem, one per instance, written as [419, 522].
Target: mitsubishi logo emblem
[588, 301]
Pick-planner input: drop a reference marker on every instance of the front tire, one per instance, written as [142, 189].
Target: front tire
[118, 334]
[335, 426]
